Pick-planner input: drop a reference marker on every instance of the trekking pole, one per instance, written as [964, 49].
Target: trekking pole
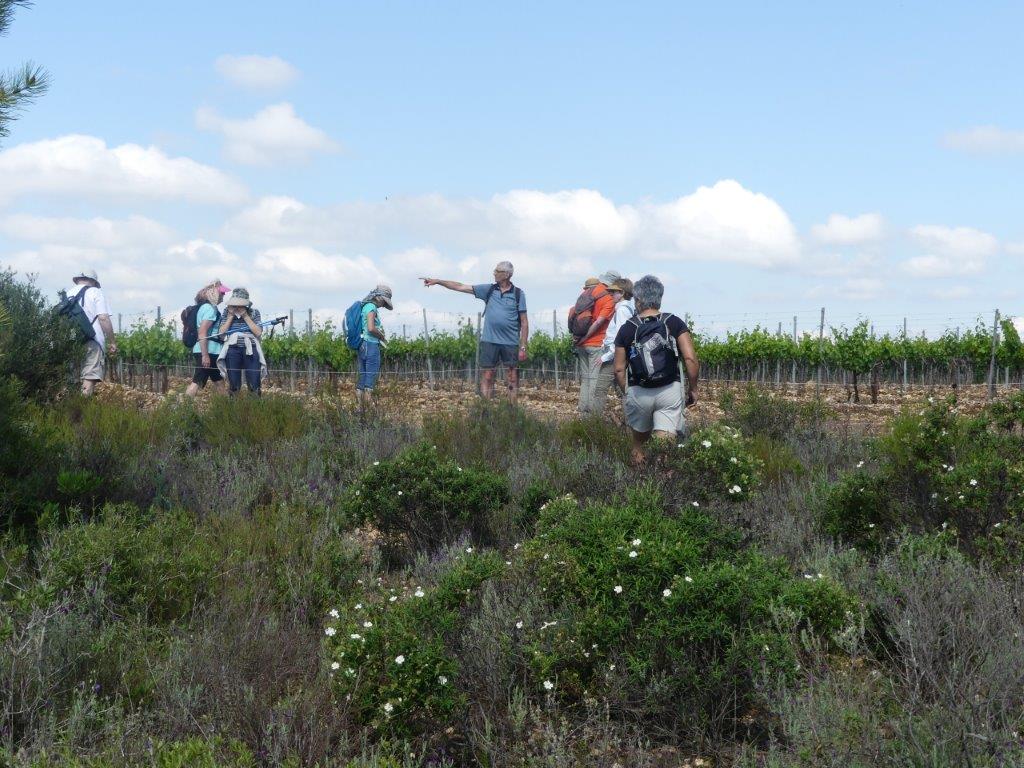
[264, 324]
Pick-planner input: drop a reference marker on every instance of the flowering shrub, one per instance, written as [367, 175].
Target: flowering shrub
[422, 500]
[936, 469]
[673, 611]
[389, 653]
[715, 462]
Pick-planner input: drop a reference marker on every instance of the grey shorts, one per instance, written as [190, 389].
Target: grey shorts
[95, 363]
[491, 354]
[659, 409]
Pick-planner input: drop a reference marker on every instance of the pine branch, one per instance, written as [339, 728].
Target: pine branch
[7, 12]
[17, 89]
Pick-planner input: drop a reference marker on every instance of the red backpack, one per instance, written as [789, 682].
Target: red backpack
[581, 316]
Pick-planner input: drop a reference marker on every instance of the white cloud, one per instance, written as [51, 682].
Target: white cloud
[861, 289]
[273, 136]
[728, 223]
[256, 72]
[952, 293]
[84, 167]
[306, 270]
[941, 266]
[418, 262]
[955, 242]
[1015, 249]
[846, 230]
[135, 231]
[580, 219]
[986, 139]
[724, 223]
[838, 265]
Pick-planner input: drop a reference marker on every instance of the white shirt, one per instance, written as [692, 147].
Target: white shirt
[623, 311]
[95, 304]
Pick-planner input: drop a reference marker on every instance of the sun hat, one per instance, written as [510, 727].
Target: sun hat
[382, 292]
[590, 282]
[623, 284]
[610, 277]
[221, 287]
[87, 274]
[239, 298]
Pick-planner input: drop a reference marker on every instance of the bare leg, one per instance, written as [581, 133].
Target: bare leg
[88, 387]
[487, 383]
[639, 439]
[513, 385]
[192, 389]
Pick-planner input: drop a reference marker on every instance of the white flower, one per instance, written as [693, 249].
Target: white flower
[611, 667]
[688, 579]
[335, 666]
[355, 636]
[442, 680]
[508, 562]
[359, 606]
[733, 460]
[519, 625]
[973, 481]
[399, 659]
[329, 631]
[618, 589]
[419, 592]
[548, 685]
[632, 553]
[388, 708]
[871, 525]
[666, 593]
[860, 464]
[546, 555]
[469, 550]
[367, 624]
[735, 489]
[400, 493]
[516, 545]
[706, 443]
[376, 463]
[333, 613]
[392, 598]
[636, 542]
[695, 503]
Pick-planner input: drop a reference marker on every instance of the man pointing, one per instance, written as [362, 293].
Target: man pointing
[506, 326]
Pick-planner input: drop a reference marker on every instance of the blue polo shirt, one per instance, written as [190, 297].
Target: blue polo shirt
[501, 314]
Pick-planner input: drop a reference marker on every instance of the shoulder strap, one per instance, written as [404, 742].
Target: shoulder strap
[490, 291]
[80, 296]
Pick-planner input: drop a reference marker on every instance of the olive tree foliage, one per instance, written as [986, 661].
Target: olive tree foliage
[21, 85]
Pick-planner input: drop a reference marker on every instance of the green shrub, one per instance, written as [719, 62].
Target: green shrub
[858, 509]
[671, 611]
[157, 567]
[391, 656]
[421, 500]
[36, 347]
[714, 462]
[486, 431]
[595, 433]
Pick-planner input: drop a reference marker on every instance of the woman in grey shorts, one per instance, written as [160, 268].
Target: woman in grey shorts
[647, 352]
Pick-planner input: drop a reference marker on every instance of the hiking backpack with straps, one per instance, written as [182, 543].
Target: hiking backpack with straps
[73, 308]
[518, 294]
[653, 356]
[189, 325]
[581, 314]
[353, 324]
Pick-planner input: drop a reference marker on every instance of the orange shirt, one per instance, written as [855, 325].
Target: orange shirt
[604, 307]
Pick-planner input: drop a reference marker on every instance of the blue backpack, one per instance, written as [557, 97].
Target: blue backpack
[353, 325]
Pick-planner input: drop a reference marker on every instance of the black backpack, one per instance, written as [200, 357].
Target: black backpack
[73, 308]
[189, 326]
[653, 357]
[518, 294]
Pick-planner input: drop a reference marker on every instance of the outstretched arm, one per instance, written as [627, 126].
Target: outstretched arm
[451, 285]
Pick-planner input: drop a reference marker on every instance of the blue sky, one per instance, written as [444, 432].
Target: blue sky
[766, 159]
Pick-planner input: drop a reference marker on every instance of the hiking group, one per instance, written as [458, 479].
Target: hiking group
[621, 338]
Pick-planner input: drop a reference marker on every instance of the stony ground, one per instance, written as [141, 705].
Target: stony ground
[414, 400]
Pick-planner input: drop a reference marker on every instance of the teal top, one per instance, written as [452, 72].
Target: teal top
[369, 307]
[207, 312]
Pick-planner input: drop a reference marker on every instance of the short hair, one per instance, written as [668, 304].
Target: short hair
[504, 266]
[626, 285]
[647, 292]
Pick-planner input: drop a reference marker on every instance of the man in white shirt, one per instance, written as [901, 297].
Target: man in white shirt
[97, 310]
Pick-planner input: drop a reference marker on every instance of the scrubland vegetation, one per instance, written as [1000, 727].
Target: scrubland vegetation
[272, 582]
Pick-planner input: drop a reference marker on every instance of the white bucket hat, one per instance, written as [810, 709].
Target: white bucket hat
[87, 274]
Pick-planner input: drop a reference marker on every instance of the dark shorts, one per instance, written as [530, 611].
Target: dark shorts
[492, 354]
[202, 375]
